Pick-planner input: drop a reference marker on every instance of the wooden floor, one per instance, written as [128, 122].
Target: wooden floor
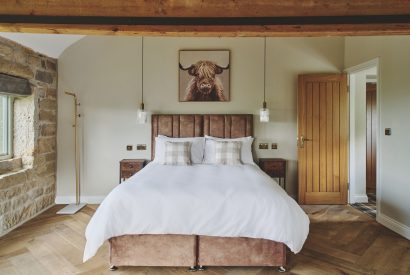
[342, 240]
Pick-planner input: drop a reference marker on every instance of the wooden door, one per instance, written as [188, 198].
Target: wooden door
[323, 139]
[371, 123]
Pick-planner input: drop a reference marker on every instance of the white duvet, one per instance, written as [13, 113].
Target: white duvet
[212, 200]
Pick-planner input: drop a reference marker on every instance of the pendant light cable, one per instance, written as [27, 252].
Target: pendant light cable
[142, 115]
[264, 111]
[142, 73]
[264, 74]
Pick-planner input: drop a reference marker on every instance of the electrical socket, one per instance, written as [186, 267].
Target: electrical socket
[274, 146]
[141, 147]
[263, 146]
[129, 147]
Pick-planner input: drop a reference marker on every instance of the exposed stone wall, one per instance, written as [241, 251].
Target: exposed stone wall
[28, 190]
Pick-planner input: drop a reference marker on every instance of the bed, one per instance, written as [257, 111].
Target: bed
[214, 220]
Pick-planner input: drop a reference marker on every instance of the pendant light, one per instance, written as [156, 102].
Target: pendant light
[142, 115]
[264, 111]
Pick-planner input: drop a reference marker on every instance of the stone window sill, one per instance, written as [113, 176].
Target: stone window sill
[14, 178]
[10, 165]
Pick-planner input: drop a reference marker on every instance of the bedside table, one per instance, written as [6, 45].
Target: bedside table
[276, 168]
[129, 167]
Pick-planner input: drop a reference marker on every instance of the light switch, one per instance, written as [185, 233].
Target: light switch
[387, 131]
[129, 147]
[274, 146]
[264, 146]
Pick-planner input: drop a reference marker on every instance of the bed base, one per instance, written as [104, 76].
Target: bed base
[195, 252]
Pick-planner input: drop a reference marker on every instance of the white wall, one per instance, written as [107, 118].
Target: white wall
[394, 99]
[358, 135]
[106, 71]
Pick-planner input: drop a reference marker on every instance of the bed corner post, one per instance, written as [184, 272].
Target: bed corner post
[112, 267]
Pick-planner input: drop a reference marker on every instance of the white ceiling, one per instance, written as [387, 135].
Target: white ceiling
[51, 45]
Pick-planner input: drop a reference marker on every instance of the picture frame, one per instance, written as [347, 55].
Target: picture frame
[204, 76]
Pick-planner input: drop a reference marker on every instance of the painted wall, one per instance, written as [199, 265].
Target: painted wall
[358, 135]
[106, 74]
[394, 99]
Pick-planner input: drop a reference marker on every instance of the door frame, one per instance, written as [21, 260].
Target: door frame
[351, 70]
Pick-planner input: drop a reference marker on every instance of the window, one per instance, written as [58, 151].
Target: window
[6, 129]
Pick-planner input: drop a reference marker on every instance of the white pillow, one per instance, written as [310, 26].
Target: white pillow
[197, 148]
[246, 149]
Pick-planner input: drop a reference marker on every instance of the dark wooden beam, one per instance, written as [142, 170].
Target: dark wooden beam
[206, 21]
[15, 86]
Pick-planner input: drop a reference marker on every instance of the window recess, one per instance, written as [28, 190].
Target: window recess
[10, 87]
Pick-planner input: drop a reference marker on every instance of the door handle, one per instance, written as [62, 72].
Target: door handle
[302, 141]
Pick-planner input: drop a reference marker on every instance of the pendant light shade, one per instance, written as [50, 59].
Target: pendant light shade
[264, 111]
[142, 115]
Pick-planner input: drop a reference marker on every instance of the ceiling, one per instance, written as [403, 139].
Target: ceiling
[51, 45]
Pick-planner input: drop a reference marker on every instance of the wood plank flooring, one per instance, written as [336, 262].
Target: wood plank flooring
[342, 240]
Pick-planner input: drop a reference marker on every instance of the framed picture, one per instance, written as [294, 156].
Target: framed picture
[204, 75]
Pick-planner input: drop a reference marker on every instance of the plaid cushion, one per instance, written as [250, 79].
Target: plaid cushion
[228, 152]
[177, 153]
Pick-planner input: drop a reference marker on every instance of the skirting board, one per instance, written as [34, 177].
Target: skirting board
[394, 225]
[359, 198]
[83, 199]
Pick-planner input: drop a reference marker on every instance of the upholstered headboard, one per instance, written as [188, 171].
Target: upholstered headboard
[224, 126]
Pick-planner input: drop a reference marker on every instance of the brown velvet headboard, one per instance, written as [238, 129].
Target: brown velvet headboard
[224, 126]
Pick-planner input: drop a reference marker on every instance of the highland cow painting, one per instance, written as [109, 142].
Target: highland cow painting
[204, 75]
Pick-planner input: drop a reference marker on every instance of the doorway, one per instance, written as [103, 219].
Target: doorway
[363, 136]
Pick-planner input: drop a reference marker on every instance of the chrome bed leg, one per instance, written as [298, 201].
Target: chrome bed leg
[200, 268]
[192, 269]
[113, 268]
[281, 269]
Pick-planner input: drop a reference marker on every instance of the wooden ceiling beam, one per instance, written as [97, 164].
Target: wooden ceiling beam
[207, 18]
[200, 8]
[215, 31]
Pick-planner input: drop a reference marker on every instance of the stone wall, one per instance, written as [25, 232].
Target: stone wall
[30, 189]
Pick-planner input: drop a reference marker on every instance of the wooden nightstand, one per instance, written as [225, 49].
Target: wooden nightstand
[129, 167]
[276, 168]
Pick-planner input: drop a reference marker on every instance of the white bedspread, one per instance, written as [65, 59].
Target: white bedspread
[227, 201]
